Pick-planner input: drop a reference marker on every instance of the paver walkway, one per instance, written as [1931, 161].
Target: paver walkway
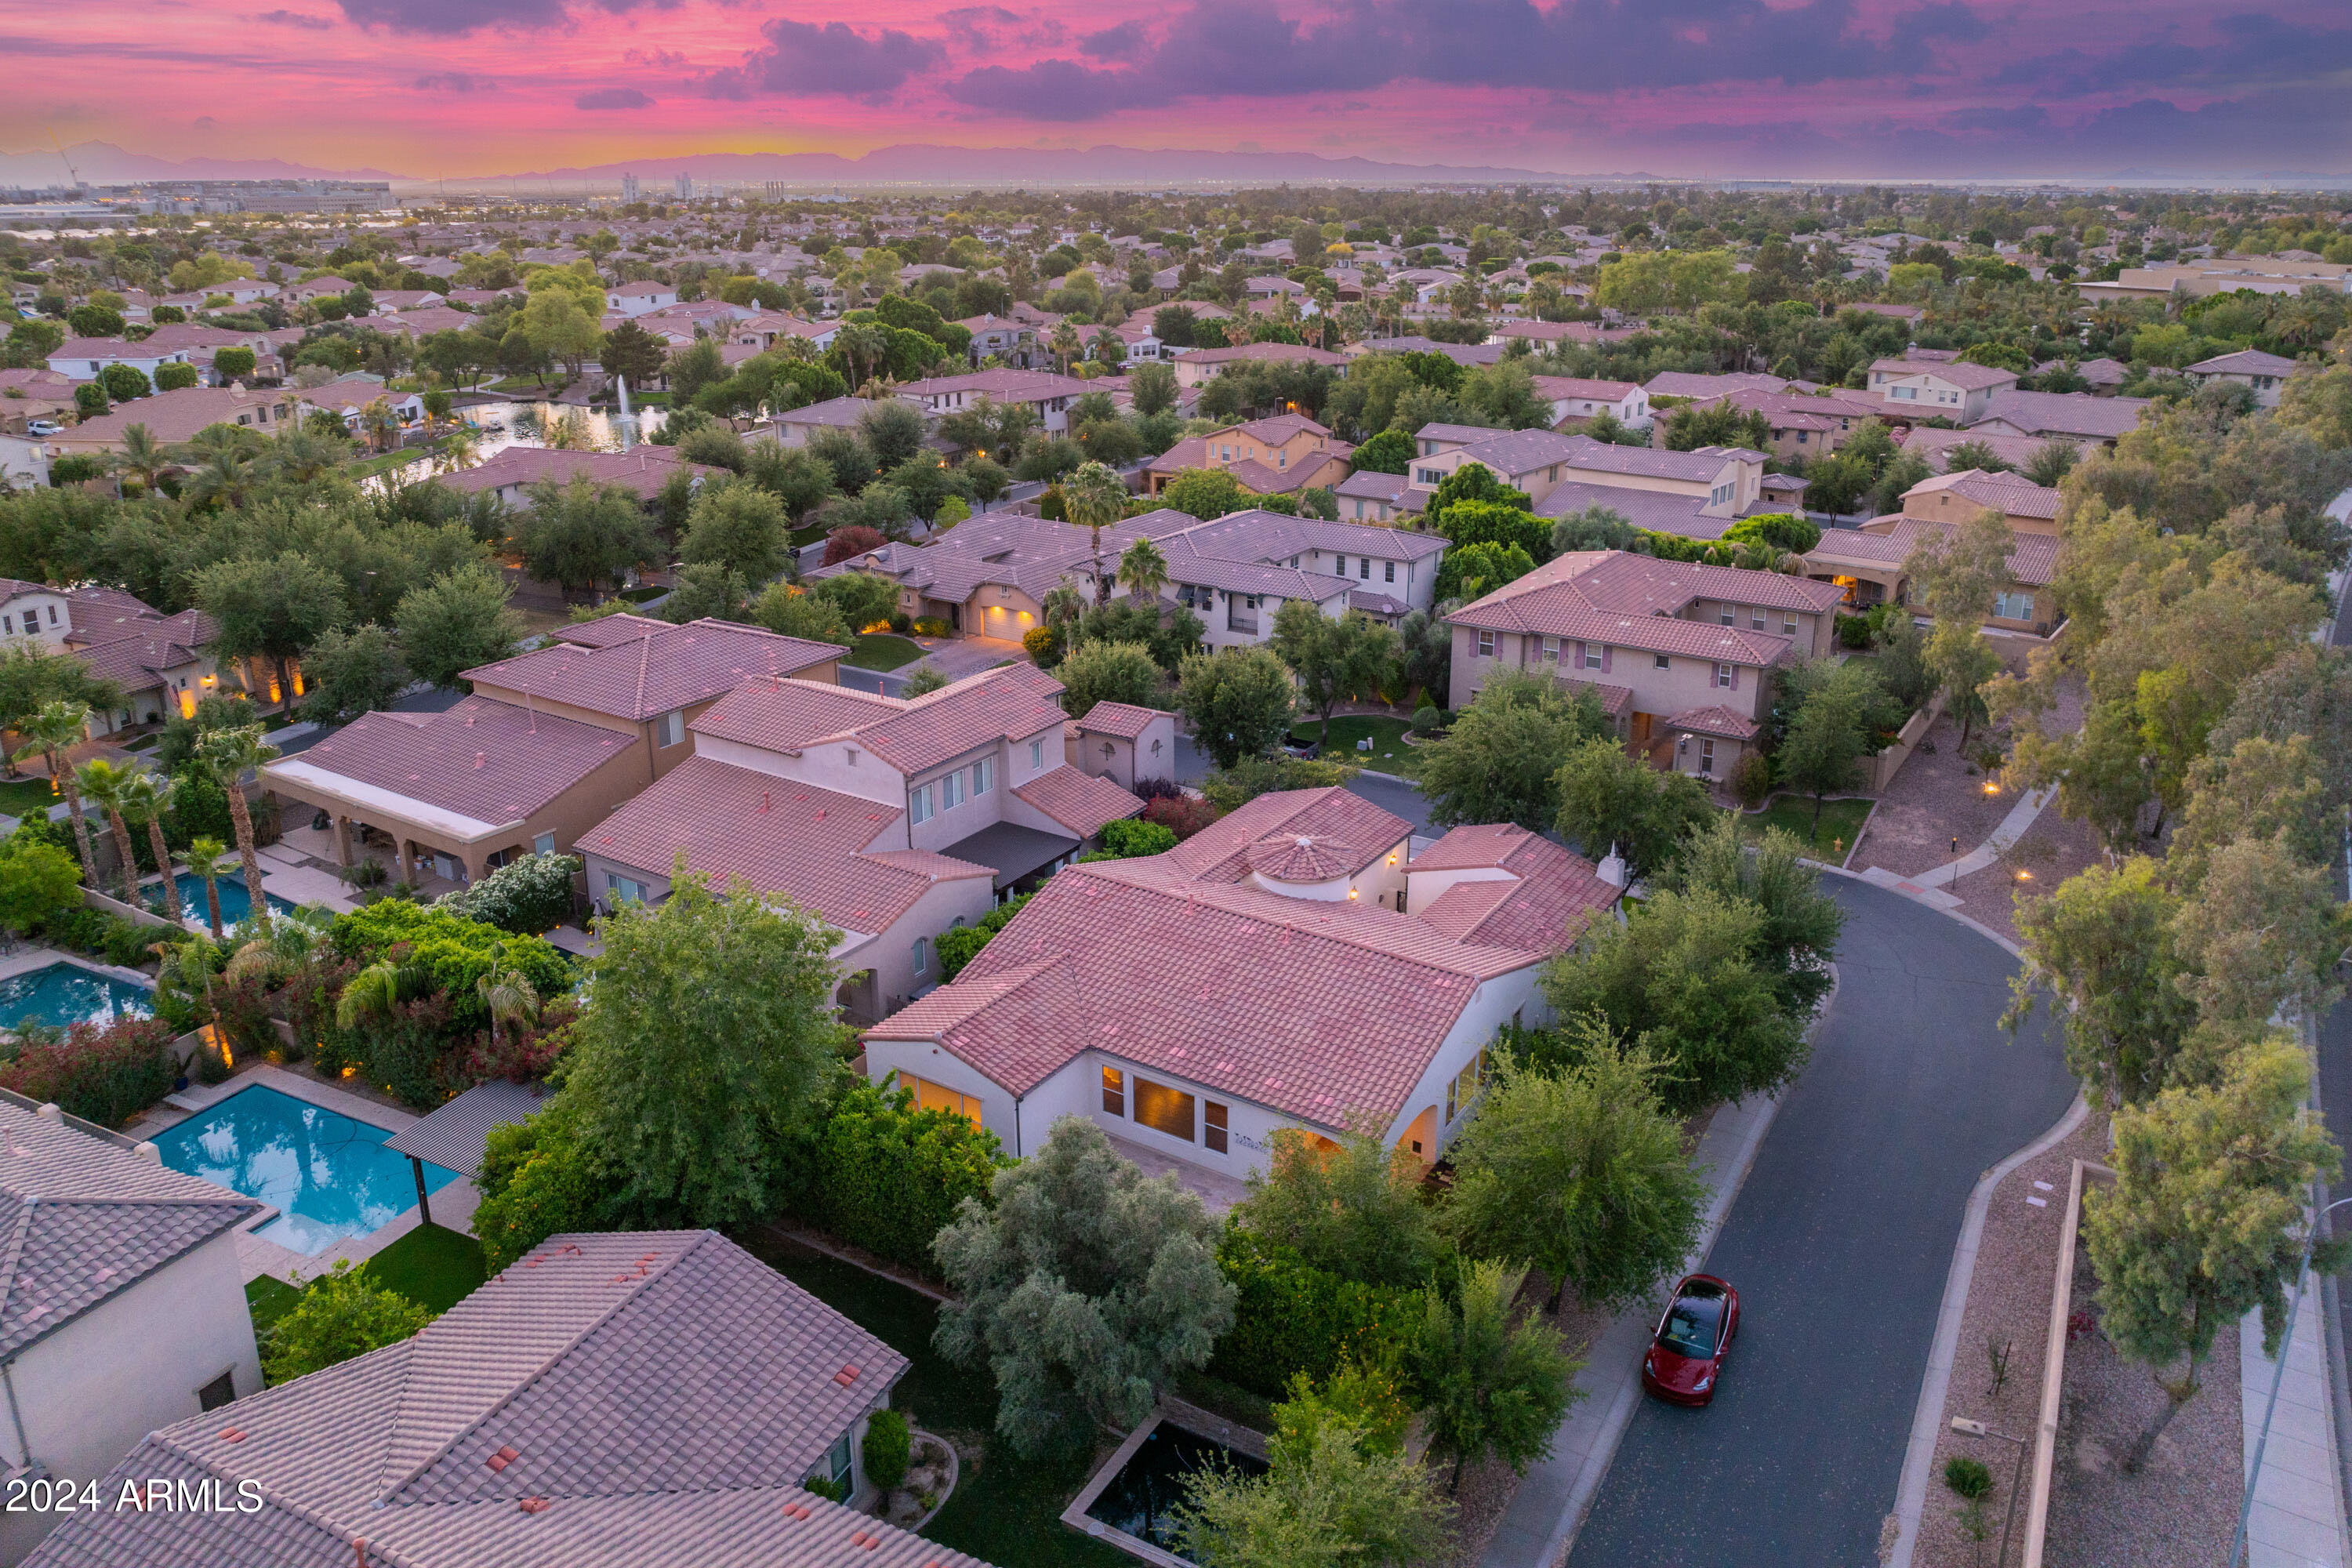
[2298, 1517]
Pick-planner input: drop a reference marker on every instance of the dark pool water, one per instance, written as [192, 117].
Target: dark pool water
[1142, 1497]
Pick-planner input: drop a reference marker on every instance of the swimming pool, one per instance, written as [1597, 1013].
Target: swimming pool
[61, 994]
[235, 903]
[331, 1178]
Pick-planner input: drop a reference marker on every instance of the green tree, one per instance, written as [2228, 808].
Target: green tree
[1084, 1289]
[2257, 789]
[1501, 760]
[350, 673]
[1329, 1497]
[1153, 389]
[1356, 1212]
[208, 859]
[1487, 1389]
[741, 526]
[1471, 570]
[2203, 1224]
[561, 330]
[1828, 738]
[1680, 983]
[1579, 1174]
[1608, 800]
[1385, 452]
[539, 1179]
[1801, 923]
[711, 1041]
[633, 353]
[146, 798]
[2262, 936]
[1107, 672]
[1238, 701]
[36, 880]
[1333, 660]
[2102, 945]
[270, 607]
[107, 786]
[1092, 499]
[790, 612]
[1205, 494]
[458, 621]
[1144, 570]
[341, 1314]
[581, 534]
[52, 728]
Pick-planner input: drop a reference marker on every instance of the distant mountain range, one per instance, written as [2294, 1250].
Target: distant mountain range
[104, 163]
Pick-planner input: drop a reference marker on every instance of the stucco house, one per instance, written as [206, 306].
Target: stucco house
[621, 1400]
[1276, 456]
[2262, 373]
[1681, 655]
[1914, 387]
[1284, 968]
[122, 1304]
[1869, 564]
[1048, 394]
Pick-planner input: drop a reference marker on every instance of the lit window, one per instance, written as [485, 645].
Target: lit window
[1163, 1109]
[930, 1096]
[1213, 1126]
[1114, 1090]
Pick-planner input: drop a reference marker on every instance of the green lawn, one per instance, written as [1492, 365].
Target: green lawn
[1841, 820]
[25, 797]
[639, 596]
[1388, 754]
[1005, 1509]
[432, 1266]
[880, 650]
[268, 1299]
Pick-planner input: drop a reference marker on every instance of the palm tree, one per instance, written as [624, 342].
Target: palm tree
[51, 728]
[862, 345]
[373, 991]
[228, 755]
[1144, 570]
[461, 448]
[1094, 497]
[108, 784]
[205, 857]
[224, 477]
[142, 455]
[1063, 604]
[302, 455]
[507, 991]
[1065, 343]
[145, 797]
[381, 425]
[186, 966]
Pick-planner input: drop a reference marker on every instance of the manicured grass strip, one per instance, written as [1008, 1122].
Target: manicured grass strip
[432, 1266]
[268, 1299]
[1841, 820]
[27, 796]
[1388, 754]
[880, 650]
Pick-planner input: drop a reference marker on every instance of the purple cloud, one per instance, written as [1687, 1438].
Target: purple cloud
[803, 57]
[613, 97]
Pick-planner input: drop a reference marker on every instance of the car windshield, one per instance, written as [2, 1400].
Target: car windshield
[1691, 1325]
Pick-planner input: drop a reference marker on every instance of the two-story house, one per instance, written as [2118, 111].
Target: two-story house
[1001, 337]
[1914, 388]
[1277, 456]
[2262, 374]
[1050, 394]
[1284, 969]
[1698, 493]
[1680, 654]
[1575, 399]
[633, 299]
[892, 819]
[1201, 366]
[1871, 565]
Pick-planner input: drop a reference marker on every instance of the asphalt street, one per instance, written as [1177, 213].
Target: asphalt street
[1839, 1244]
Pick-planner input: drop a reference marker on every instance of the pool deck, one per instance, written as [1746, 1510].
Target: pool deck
[453, 1205]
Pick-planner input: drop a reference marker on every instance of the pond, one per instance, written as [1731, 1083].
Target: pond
[1141, 1498]
[525, 423]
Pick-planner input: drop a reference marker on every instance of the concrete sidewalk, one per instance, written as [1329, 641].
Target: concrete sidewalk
[1555, 1492]
[2298, 1517]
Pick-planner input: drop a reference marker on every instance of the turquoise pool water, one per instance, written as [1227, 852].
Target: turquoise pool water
[235, 903]
[330, 1177]
[65, 993]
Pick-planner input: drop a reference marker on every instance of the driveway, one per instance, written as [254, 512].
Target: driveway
[1840, 1242]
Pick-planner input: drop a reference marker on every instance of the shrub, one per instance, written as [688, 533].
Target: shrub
[527, 896]
[901, 621]
[1043, 645]
[1968, 1477]
[451, 949]
[1158, 789]
[1291, 1319]
[126, 941]
[1131, 838]
[1229, 789]
[1752, 779]
[536, 1180]
[1854, 631]
[107, 1075]
[341, 1315]
[931, 626]
[888, 1175]
[959, 946]
[827, 1489]
[1182, 815]
[519, 1055]
[79, 929]
[887, 1449]
[1427, 721]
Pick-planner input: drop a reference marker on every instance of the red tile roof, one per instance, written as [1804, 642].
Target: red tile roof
[1124, 720]
[1334, 817]
[1081, 803]
[1551, 896]
[1716, 720]
[488, 761]
[781, 837]
[663, 669]
[1623, 600]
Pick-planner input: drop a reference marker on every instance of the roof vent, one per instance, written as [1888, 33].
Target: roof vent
[533, 1505]
[502, 1458]
[846, 1376]
[232, 1434]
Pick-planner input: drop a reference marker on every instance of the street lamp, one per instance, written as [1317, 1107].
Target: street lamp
[2278, 1375]
[2017, 1473]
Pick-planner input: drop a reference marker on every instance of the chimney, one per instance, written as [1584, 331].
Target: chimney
[1612, 868]
[481, 759]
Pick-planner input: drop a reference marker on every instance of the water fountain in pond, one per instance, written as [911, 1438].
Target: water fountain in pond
[628, 421]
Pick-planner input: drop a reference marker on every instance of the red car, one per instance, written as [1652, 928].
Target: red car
[1685, 1354]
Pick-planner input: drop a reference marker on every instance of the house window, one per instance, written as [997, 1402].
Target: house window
[2013, 606]
[951, 791]
[1551, 650]
[220, 1391]
[984, 776]
[922, 955]
[1756, 617]
[1464, 1087]
[1429, 477]
[1661, 661]
[1388, 568]
[1788, 624]
[1593, 656]
[624, 889]
[673, 727]
[930, 1096]
[543, 845]
[919, 804]
[1706, 755]
[1213, 1126]
[53, 614]
[1340, 565]
[1724, 615]
[1364, 568]
[836, 1462]
[1037, 754]
[1722, 675]
[1114, 1091]
[8, 625]
[1485, 643]
[1163, 1109]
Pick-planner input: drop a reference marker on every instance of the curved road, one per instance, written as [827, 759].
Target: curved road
[1840, 1242]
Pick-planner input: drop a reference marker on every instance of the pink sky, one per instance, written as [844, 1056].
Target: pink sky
[1795, 88]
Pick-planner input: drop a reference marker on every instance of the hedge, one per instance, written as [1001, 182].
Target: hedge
[454, 950]
[1291, 1317]
[888, 1176]
[103, 1075]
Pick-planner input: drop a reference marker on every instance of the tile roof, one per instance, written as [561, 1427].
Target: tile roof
[626, 1400]
[1955, 373]
[1558, 387]
[1550, 896]
[663, 669]
[2064, 413]
[1124, 720]
[1934, 445]
[82, 1220]
[1270, 537]
[1080, 802]
[643, 469]
[1716, 720]
[1002, 385]
[1623, 600]
[778, 835]
[2245, 362]
[2032, 557]
[1660, 512]
[1220, 852]
[2007, 493]
[1699, 467]
[488, 763]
